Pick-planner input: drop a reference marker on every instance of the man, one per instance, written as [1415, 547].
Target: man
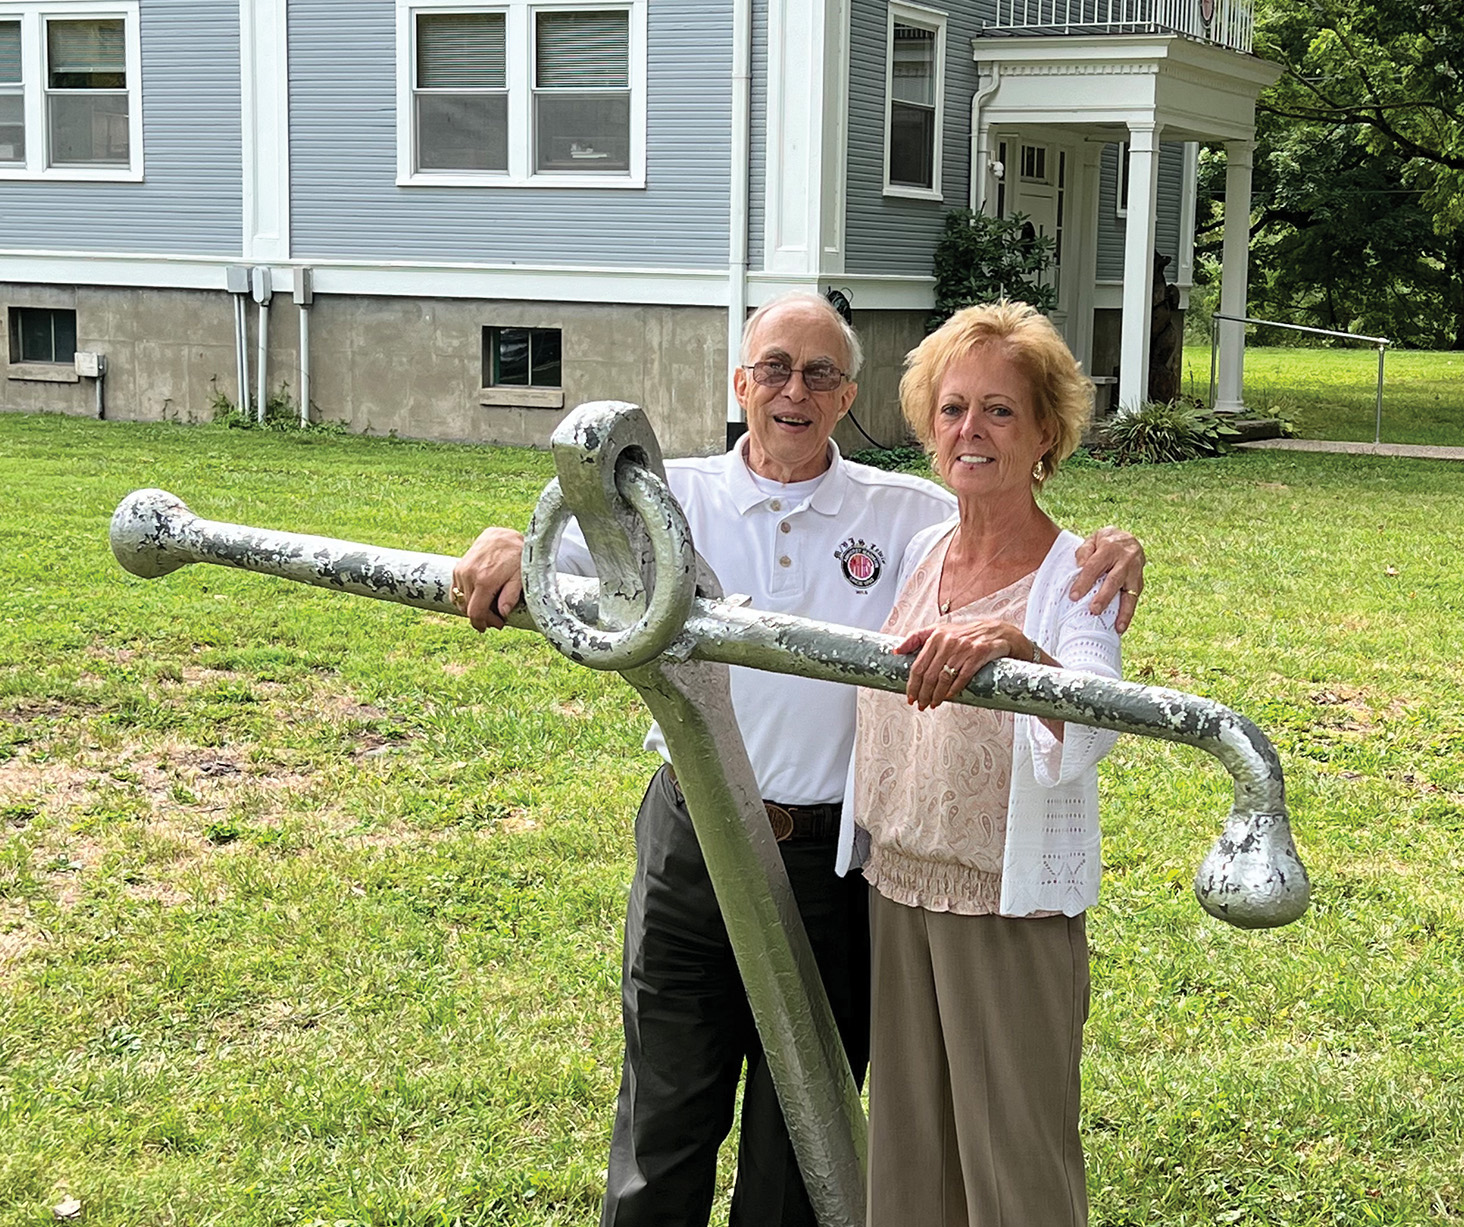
[785, 519]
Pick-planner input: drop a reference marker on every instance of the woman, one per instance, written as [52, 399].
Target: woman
[982, 827]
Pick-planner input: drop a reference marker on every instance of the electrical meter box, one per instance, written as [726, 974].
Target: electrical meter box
[90, 365]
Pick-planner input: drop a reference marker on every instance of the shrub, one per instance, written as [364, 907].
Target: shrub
[905, 459]
[1158, 433]
[982, 259]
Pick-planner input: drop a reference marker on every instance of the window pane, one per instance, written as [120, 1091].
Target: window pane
[582, 51]
[912, 146]
[63, 324]
[34, 335]
[460, 51]
[86, 55]
[513, 356]
[12, 128]
[582, 132]
[88, 129]
[546, 369]
[462, 131]
[9, 53]
[913, 69]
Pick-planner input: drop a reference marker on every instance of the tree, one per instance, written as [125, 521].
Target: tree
[1376, 89]
[1337, 241]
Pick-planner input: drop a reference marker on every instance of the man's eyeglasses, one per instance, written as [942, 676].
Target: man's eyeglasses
[817, 376]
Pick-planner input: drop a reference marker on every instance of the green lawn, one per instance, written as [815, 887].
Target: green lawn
[310, 906]
[1332, 393]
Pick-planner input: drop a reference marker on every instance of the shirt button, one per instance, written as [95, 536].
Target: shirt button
[785, 561]
[785, 527]
[776, 504]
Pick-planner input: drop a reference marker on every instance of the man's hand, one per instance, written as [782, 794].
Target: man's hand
[486, 581]
[1117, 559]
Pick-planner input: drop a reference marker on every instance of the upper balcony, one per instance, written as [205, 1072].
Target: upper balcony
[1220, 23]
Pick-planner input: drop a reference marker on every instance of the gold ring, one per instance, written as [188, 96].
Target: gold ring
[456, 595]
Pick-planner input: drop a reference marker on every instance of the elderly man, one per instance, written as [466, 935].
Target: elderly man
[785, 519]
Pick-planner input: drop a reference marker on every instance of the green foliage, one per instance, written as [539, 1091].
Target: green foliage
[908, 459]
[1159, 433]
[281, 413]
[981, 259]
[1359, 171]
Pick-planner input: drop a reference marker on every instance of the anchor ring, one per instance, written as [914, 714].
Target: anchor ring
[674, 577]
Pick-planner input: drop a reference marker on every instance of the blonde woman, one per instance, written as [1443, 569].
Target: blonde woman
[979, 830]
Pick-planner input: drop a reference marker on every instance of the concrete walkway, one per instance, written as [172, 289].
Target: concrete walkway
[1359, 449]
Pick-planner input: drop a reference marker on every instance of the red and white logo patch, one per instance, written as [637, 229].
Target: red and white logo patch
[862, 561]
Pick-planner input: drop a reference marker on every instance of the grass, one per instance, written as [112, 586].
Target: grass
[1332, 393]
[310, 906]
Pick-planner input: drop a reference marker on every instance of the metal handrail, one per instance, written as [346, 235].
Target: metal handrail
[1381, 342]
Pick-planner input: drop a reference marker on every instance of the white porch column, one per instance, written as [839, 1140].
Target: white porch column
[1234, 276]
[1138, 264]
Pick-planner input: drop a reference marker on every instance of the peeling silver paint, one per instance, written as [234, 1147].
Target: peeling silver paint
[656, 614]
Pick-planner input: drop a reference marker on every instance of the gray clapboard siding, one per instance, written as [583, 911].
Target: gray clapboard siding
[1166, 224]
[888, 234]
[345, 202]
[190, 201]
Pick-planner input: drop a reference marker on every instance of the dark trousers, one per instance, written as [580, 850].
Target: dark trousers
[688, 1031]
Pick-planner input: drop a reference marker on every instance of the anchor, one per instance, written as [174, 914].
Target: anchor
[656, 615]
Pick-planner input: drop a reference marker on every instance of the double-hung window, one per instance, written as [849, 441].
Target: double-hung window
[914, 101]
[70, 97]
[521, 93]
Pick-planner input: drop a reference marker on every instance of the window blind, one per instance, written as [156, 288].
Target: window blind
[460, 51]
[9, 53]
[587, 50]
[86, 48]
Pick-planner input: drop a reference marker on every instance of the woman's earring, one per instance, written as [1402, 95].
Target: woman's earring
[1037, 471]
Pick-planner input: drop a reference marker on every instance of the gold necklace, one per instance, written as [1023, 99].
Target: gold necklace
[945, 606]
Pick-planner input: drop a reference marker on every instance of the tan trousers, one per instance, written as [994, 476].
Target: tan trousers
[977, 1032]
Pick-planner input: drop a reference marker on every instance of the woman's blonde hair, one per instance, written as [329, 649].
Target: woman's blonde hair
[1062, 394]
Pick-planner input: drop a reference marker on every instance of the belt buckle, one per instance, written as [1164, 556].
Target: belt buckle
[780, 820]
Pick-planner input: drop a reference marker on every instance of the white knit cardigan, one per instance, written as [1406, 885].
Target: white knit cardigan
[1053, 858]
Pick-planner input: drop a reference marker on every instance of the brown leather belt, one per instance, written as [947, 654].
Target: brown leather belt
[790, 823]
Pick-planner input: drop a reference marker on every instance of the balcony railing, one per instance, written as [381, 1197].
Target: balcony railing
[1223, 23]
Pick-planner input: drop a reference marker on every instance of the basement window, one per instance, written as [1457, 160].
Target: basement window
[42, 334]
[522, 366]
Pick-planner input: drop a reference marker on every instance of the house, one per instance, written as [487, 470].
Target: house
[454, 219]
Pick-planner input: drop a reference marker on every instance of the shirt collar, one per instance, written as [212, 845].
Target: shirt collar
[826, 500]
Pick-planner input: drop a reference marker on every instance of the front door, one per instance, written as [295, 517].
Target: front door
[1035, 183]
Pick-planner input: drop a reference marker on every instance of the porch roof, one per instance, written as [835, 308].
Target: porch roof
[1100, 84]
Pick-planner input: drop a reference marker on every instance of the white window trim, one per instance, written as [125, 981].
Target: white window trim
[518, 33]
[33, 15]
[929, 19]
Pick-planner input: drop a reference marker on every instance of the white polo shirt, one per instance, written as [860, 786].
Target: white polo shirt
[833, 555]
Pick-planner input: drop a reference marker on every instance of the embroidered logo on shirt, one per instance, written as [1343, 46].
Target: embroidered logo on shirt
[862, 561]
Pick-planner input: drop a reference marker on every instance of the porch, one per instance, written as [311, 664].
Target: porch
[1089, 88]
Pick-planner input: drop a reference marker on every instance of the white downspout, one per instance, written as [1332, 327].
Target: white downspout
[262, 293]
[980, 142]
[737, 212]
[304, 294]
[236, 281]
